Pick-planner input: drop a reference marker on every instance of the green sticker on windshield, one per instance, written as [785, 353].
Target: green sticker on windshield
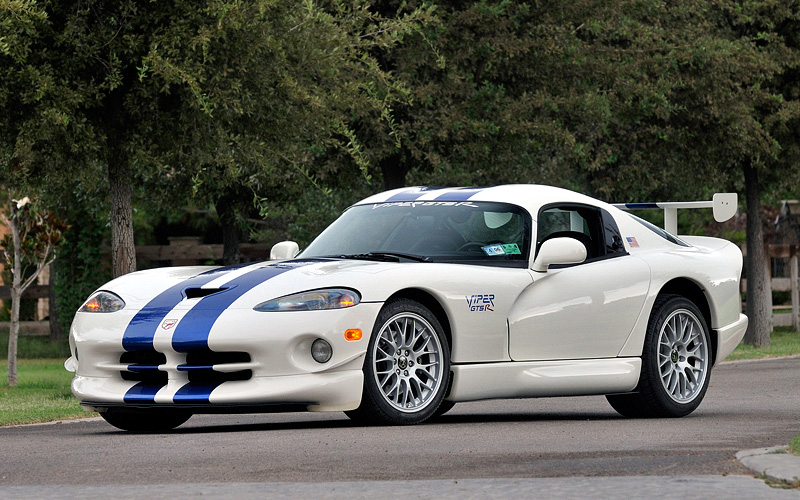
[506, 249]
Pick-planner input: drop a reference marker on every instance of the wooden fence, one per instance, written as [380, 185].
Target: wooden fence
[783, 284]
[189, 251]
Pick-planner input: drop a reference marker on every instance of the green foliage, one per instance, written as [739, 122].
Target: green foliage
[39, 232]
[625, 100]
[216, 100]
[82, 266]
[18, 20]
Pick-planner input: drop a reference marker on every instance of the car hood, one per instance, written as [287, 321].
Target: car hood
[245, 286]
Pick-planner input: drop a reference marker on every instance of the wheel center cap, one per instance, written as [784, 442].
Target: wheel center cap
[402, 363]
[674, 356]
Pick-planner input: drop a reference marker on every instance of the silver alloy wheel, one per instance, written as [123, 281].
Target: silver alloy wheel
[682, 356]
[408, 362]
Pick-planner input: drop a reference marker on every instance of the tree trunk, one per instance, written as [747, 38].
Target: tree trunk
[16, 298]
[394, 172]
[13, 335]
[56, 332]
[123, 250]
[759, 291]
[231, 234]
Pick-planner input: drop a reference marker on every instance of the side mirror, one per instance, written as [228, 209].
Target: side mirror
[284, 250]
[563, 250]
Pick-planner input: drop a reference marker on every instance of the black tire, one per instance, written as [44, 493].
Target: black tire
[444, 407]
[676, 363]
[405, 376]
[145, 420]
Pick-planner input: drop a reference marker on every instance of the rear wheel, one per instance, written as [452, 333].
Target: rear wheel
[406, 368]
[676, 363]
[145, 420]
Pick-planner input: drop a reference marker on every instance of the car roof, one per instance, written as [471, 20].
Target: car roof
[529, 196]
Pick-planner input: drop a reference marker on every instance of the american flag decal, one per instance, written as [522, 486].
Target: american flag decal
[632, 241]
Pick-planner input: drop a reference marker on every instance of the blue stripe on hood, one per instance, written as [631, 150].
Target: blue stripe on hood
[139, 334]
[192, 331]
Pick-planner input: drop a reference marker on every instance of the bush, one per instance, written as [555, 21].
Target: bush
[82, 266]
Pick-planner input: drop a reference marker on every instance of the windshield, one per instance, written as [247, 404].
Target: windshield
[438, 231]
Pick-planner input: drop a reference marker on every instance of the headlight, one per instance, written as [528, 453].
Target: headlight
[314, 300]
[103, 302]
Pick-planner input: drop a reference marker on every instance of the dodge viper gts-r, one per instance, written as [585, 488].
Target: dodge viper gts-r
[416, 299]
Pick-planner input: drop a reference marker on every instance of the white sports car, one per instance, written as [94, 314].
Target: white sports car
[416, 299]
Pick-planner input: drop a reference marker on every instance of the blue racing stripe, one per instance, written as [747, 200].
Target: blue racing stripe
[142, 392]
[192, 331]
[641, 206]
[462, 194]
[195, 393]
[411, 194]
[139, 334]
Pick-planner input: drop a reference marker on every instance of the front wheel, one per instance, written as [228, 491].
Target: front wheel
[676, 363]
[144, 420]
[407, 366]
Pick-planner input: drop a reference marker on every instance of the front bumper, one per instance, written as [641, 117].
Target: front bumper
[253, 361]
[729, 336]
[334, 391]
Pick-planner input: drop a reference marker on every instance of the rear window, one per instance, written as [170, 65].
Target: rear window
[667, 236]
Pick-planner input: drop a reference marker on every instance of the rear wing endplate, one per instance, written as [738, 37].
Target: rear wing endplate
[723, 204]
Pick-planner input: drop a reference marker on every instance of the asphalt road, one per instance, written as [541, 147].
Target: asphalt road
[749, 405]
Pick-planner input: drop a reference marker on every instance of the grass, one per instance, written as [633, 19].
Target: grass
[36, 347]
[42, 393]
[783, 342]
[794, 446]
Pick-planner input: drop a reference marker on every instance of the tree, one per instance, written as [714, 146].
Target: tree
[221, 99]
[34, 238]
[491, 84]
[634, 100]
[708, 93]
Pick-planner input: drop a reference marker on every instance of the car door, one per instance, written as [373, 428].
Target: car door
[584, 310]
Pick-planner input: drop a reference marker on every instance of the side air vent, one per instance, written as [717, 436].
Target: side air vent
[198, 293]
[143, 367]
[207, 367]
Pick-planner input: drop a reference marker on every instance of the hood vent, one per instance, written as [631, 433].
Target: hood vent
[198, 293]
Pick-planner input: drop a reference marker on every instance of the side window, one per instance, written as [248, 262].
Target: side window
[613, 238]
[592, 226]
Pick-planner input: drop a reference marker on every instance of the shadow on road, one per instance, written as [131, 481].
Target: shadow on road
[328, 423]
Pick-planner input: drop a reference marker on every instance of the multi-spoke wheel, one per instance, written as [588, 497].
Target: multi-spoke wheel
[676, 363]
[406, 368]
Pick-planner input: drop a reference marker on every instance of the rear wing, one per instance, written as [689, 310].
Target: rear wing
[723, 204]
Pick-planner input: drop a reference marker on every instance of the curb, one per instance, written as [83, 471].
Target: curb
[774, 463]
[755, 360]
[54, 422]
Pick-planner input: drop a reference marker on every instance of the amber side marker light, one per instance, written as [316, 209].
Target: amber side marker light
[353, 334]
